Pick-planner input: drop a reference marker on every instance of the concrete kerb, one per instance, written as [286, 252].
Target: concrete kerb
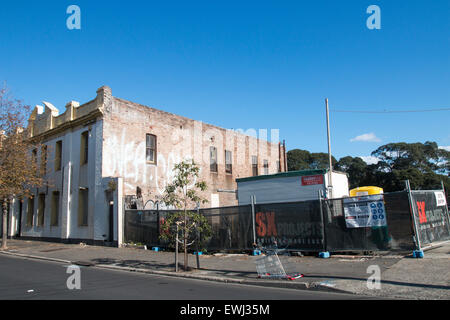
[28, 256]
[262, 283]
[287, 284]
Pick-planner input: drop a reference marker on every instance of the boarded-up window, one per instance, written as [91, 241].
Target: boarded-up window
[150, 148]
[228, 162]
[84, 148]
[34, 157]
[213, 159]
[44, 159]
[83, 201]
[58, 154]
[41, 210]
[55, 209]
[266, 167]
[254, 165]
[30, 212]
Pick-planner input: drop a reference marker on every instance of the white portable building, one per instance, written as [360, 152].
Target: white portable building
[291, 186]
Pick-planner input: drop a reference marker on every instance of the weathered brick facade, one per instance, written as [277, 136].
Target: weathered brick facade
[103, 158]
[125, 127]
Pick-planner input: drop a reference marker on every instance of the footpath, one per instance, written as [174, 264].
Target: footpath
[402, 276]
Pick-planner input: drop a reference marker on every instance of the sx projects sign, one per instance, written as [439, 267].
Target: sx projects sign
[366, 211]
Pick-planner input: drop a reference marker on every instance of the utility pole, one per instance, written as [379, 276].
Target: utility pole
[330, 186]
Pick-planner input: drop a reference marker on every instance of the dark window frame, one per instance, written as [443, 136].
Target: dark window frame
[266, 167]
[228, 162]
[213, 166]
[254, 166]
[41, 210]
[148, 148]
[30, 212]
[84, 148]
[83, 210]
[54, 215]
[58, 155]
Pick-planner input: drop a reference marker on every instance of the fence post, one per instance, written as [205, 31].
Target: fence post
[158, 228]
[176, 250]
[446, 206]
[324, 253]
[198, 236]
[255, 251]
[418, 252]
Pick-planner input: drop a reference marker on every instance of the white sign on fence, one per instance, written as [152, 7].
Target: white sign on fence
[440, 198]
[366, 211]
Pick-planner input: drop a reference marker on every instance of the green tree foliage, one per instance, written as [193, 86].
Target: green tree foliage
[183, 193]
[355, 167]
[298, 159]
[425, 165]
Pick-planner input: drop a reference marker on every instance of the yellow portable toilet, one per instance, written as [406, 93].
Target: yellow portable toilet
[365, 191]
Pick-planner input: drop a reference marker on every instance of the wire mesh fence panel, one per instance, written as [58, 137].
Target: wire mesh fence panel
[400, 230]
[144, 226]
[231, 228]
[368, 223]
[431, 216]
[294, 225]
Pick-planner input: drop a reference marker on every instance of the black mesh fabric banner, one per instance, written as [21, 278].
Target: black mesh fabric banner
[231, 228]
[143, 226]
[395, 234]
[299, 226]
[431, 216]
[294, 225]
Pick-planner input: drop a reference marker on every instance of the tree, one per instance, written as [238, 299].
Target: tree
[356, 169]
[19, 172]
[298, 159]
[424, 164]
[183, 193]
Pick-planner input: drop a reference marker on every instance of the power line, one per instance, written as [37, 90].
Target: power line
[391, 111]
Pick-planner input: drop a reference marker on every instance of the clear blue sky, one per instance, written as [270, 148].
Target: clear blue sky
[244, 64]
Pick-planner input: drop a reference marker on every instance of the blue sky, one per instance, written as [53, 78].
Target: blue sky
[245, 64]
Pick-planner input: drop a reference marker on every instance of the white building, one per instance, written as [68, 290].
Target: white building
[108, 148]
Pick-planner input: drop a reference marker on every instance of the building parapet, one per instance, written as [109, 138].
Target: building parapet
[46, 119]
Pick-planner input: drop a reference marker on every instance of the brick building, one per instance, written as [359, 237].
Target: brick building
[109, 149]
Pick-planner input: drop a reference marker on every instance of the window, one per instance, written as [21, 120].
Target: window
[228, 162]
[150, 150]
[213, 159]
[55, 209]
[58, 153]
[30, 212]
[34, 157]
[84, 148]
[266, 167]
[41, 210]
[278, 167]
[83, 198]
[44, 160]
[254, 166]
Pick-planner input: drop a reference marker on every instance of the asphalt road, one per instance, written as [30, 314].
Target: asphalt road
[28, 279]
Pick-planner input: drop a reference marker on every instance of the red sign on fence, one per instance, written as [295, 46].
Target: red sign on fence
[312, 180]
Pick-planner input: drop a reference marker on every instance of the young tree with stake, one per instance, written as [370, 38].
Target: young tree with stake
[183, 193]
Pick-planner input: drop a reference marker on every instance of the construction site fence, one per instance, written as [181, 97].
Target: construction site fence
[396, 221]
